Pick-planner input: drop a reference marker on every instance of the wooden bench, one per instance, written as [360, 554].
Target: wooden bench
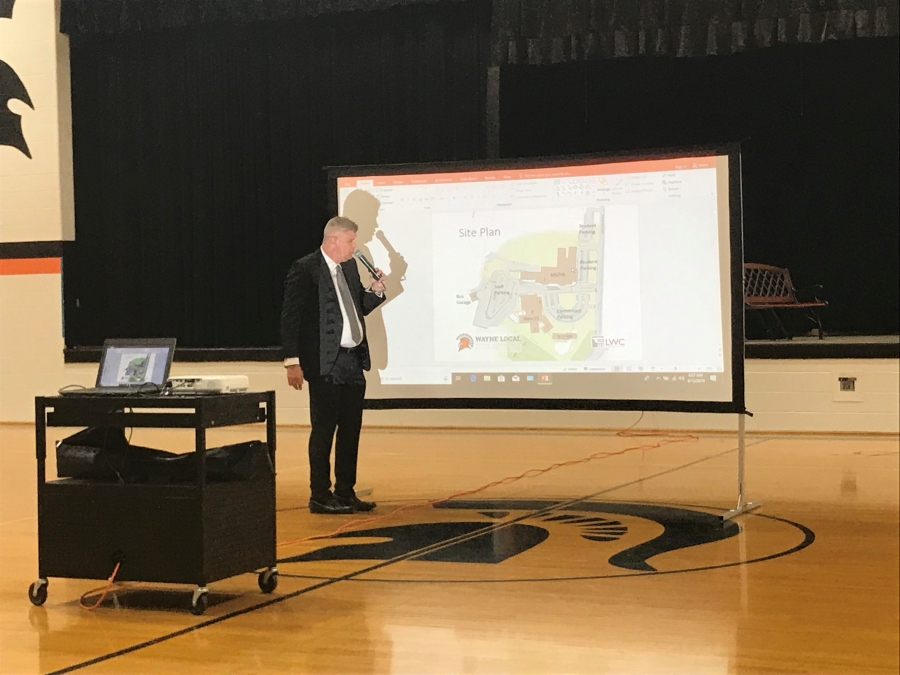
[770, 290]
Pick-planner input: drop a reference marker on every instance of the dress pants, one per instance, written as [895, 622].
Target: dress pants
[336, 404]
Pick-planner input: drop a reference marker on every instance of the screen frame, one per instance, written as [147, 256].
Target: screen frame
[736, 258]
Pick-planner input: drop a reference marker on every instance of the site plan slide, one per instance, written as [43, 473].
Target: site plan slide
[576, 281]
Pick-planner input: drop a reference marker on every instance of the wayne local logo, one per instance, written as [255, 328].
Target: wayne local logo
[466, 341]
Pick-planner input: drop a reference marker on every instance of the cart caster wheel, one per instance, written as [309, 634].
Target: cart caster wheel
[200, 601]
[268, 580]
[37, 592]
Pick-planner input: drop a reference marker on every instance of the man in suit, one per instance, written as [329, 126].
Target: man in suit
[323, 337]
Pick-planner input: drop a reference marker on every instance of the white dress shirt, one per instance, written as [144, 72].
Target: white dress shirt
[346, 338]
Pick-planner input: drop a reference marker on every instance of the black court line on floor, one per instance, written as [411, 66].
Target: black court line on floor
[489, 528]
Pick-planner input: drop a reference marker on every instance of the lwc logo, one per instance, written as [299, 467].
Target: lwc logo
[601, 341]
[544, 540]
[11, 88]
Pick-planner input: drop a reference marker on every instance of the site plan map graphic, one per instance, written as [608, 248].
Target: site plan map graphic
[541, 294]
[135, 368]
[554, 309]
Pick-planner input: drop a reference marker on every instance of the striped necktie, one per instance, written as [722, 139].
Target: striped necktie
[349, 306]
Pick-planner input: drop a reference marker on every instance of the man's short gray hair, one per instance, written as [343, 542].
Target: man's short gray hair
[338, 224]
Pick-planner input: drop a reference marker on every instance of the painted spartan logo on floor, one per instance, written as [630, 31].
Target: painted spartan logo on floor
[11, 88]
[601, 539]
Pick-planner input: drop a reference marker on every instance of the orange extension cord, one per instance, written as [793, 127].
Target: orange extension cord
[668, 438]
[106, 589]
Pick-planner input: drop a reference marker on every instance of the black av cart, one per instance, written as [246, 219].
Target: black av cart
[193, 532]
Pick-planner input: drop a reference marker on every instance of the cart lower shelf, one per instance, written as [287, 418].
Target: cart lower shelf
[156, 533]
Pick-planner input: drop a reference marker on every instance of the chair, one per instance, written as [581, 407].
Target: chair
[769, 290]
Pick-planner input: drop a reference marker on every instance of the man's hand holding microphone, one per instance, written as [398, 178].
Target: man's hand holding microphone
[377, 275]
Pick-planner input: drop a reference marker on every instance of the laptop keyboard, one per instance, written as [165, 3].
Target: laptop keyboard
[147, 389]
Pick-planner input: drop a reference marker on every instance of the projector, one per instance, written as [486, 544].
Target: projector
[222, 384]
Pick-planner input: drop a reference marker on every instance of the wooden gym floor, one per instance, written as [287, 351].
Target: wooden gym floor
[618, 565]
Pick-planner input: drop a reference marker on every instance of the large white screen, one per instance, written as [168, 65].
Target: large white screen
[596, 281]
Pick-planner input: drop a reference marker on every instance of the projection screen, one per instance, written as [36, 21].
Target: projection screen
[604, 282]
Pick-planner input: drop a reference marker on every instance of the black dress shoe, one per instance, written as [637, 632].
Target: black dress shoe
[355, 503]
[330, 506]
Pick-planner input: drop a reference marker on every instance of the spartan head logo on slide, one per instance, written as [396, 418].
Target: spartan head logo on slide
[464, 341]
[11, 87]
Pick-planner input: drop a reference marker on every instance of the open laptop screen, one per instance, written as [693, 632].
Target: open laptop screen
[135, 362]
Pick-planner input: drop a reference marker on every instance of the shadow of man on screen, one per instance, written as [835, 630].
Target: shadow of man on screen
[362, 208]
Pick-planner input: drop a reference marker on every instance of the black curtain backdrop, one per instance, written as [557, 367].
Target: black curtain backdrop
[199, 155]
[547, 31]
[117, 16]
[556, 31]
[819, 132]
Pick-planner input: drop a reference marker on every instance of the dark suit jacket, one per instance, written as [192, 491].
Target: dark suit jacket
[311, 319]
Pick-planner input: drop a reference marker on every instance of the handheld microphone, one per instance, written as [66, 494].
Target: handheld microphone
[365, 261]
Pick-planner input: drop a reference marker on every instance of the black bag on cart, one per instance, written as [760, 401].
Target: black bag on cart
[104, 454]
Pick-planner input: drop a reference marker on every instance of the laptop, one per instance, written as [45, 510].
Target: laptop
[129, 367]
